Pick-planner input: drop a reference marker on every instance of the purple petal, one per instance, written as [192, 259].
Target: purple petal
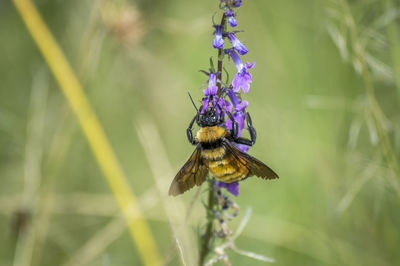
[228, 124]
[232, 21]
[212, 79]
[205, 104]
[242, 79]
[231, 187]
[243, 105]
[212, 89]
[234, 99]
[236, 60]
[242, 147]
[248, 65]
[242, 50]
[218, 42]
[238, 3]
[229, 13]
[228, 106]
[239, 118]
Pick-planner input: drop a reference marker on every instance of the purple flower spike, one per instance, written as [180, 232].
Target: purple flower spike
[237, 44]
[218, 42]
[232, 21]
[231, 187]
[238, 3]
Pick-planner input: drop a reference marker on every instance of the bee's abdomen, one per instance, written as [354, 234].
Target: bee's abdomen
[213, 153]
[224, 166]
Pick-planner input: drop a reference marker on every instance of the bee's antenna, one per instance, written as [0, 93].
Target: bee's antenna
[190, 96]
[219, 107]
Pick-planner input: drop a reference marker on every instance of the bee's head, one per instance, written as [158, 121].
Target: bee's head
[210, 117]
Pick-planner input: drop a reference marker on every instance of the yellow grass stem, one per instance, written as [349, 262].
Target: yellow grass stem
[92, 129]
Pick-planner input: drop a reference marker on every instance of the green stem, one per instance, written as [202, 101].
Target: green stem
[205, 247]
[210, 217]
[221, 57]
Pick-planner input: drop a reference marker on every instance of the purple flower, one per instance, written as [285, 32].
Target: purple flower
[238, 3]
[211, 90]
[231, 17]
[229, 13]
[237, 44]
[232, 21]
[239, 114]
[231, 187]
[242, 79]
[218, 42]
[231, 3]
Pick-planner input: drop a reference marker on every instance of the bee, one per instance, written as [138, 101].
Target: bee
[216, 153]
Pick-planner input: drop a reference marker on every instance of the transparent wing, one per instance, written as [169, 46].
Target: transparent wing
[192, 173]
[255, 167]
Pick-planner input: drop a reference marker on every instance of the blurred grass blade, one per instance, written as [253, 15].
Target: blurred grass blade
[103, 238]
[92, 129]
[394, 40]
[154, 150]
[32, 169]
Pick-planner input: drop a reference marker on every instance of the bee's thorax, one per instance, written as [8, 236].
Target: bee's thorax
[211, 134]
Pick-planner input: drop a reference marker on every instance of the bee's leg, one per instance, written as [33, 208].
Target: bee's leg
[235, 126]
[244, 141]
[221, 116]
[252, 131]
[189, 132]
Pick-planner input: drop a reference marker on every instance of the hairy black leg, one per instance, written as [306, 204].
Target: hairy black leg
[244, 141]
[252, 130]
[221, 113]
[235, 127]
[189, 132]
[221, 116]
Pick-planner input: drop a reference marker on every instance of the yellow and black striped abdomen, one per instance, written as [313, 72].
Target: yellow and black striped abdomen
[224, 166]
[221, 163]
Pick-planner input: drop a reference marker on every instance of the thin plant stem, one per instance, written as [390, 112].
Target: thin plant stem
[210, 217]
[211, 194]
[221, 57]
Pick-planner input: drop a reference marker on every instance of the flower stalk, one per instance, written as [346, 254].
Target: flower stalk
[219, 203]
[205, 246]
[220, 57]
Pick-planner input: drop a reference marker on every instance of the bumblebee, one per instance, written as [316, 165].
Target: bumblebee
[216, 153]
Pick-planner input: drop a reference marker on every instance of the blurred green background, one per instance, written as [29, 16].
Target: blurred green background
[333, 141]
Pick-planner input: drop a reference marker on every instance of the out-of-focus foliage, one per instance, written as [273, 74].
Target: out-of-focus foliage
[324, 100]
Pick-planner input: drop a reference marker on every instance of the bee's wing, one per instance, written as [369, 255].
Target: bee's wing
[194, 172]
[254, 166]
